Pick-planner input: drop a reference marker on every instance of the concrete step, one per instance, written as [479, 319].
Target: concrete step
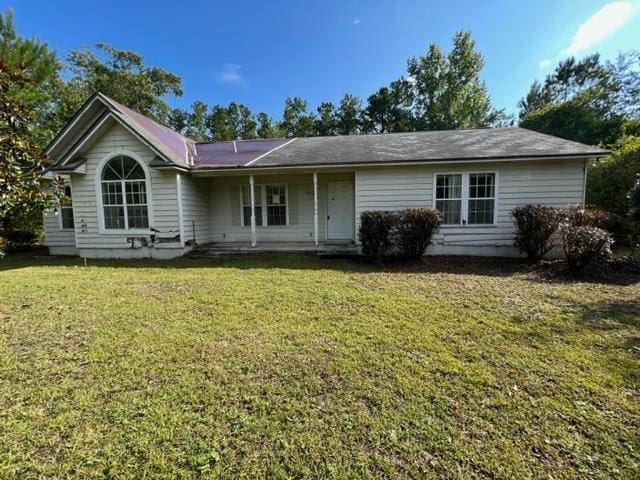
[323, 250]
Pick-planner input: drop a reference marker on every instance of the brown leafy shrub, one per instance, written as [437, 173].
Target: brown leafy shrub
[375, 233]
[586, 248]
[414, 230]
[535, 225]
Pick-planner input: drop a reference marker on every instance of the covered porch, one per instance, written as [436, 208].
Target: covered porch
[271, 211]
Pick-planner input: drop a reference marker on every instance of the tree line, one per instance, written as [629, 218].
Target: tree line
[439, 90]
[586, 100]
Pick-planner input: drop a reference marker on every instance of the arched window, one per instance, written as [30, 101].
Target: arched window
[124, 195]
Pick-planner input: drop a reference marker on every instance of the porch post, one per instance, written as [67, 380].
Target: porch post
[253, 211]
[315, 208]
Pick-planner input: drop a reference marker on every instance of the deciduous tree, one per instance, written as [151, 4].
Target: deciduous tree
[448, 91]
[348, 115]
[296, 120]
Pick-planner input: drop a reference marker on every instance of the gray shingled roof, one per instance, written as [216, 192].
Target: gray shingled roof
[490, 143]
[447, 145]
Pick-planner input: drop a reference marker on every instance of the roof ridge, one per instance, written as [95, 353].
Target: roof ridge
[270, 139]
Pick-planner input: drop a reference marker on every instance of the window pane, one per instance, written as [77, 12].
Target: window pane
[481, 212]
[246, 200]
[276, 215]
[451, 211]
[114, 218]
[449, 186]
[67, 217]
[246, 213]
[276, 204]
[120, 168]
[67, 194]
[246, 205]
[481, 185]
[276, 195]
[112, 193]
[131, 169]
[136, 193]
[246, 216]
[137, 217]
[112, 170]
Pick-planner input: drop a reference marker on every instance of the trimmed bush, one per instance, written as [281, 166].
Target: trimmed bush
[18, 240]
[586, 248]
[535, 225]
[375, 233]
[415, 229]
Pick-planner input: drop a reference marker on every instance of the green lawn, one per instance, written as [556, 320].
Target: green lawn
[293, 367]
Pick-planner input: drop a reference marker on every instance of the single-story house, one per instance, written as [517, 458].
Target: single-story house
[139, 189]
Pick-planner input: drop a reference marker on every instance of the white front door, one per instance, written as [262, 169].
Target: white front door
[340, 213]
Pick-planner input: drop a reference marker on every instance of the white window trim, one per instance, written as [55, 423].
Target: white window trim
[98, 183]
[60, 207]
[464, 208]
[263, 204]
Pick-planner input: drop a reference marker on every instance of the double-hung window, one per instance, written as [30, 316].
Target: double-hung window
[270, 203]
[466, 198]
[246, 205]
[449, 198]
[66, 209]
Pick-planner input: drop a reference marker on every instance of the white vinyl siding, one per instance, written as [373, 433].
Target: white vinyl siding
[556, 183]
[196, 209]
[119, 141]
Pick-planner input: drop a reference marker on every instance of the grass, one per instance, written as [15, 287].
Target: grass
[293, 367]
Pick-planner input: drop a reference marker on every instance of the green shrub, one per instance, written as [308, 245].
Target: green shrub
[610, 179]
[30, 220]
[414, 230]
[3, 247]
[535, 225]
[586, 247]
[375, 233]
[623, 230]
[18, 240]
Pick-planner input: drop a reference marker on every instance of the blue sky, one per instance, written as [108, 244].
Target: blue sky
[259, 52]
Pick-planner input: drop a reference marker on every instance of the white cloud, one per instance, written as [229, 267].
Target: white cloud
[356, 21]
[542, 64]
[230, 74]
[599, 26]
